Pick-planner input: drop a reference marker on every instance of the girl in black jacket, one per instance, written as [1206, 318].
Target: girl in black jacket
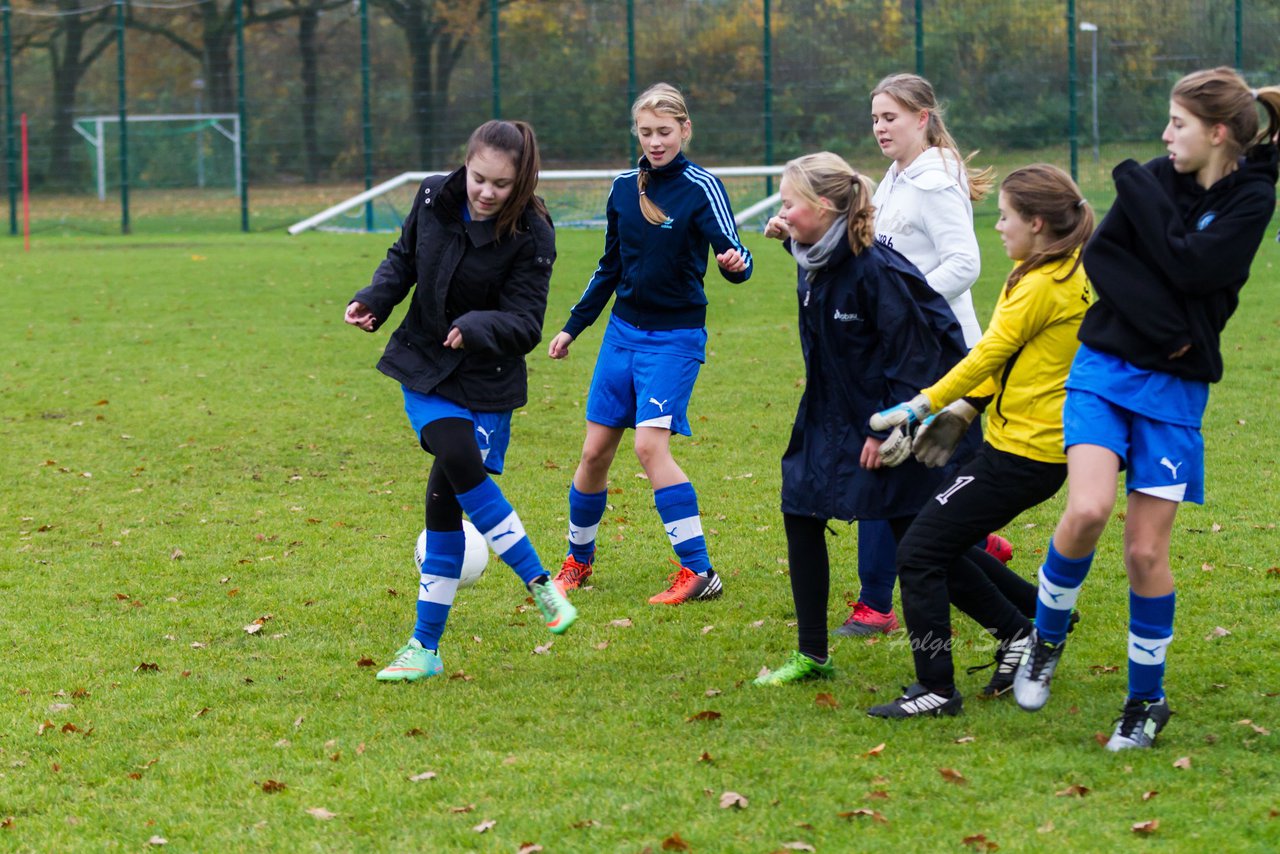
[1167, 264]
[479, 245]
[871, 329]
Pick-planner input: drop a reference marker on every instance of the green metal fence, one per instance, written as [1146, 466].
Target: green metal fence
[333, 95]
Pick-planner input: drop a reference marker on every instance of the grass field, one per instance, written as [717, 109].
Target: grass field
[196, 444]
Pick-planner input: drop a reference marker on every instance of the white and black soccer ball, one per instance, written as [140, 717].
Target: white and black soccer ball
[473, 562]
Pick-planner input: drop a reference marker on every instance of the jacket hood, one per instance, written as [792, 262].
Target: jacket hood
[936, 163]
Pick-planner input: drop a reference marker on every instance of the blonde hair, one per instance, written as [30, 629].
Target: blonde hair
[915, 94]
[827, 181]
[1221, 96]
[1045, 191]
[666, 100]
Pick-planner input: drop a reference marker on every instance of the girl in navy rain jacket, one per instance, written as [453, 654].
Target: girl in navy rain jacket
[870, 329]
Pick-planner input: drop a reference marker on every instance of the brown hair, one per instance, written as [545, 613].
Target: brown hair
[516, 140]
[1221, 96]
[665, 99]
[827, 176]
[915, 94]
[1045, 191]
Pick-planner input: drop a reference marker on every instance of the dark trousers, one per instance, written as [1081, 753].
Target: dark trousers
[939, 566]
[810, 571]
[457, 468]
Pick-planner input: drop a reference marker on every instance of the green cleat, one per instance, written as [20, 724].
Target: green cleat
[796, 668]
[412, 662]
[556, 610]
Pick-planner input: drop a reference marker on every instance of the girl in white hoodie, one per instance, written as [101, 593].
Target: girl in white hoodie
[924, 210]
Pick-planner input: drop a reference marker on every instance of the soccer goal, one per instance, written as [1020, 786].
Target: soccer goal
[575, 198]
[171, 149]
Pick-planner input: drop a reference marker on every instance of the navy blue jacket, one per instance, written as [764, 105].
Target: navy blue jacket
[656, 271]
[1169, 260]
[494, 290]
[873, 333]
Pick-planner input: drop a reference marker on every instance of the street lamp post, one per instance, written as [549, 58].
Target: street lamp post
[1092, 29]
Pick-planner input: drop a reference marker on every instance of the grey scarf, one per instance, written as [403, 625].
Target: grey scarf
[813, 258]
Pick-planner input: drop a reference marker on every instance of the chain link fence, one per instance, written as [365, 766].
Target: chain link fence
[240, 114]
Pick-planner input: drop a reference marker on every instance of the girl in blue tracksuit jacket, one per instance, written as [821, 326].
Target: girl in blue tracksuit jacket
[870, 327]
[662, 220]
[1167, 264]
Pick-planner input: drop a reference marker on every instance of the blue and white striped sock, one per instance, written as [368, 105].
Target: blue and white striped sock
[678, 507]
[1150, 633]
[586, 509]
[494, 517]
[1060, 581]
[437, 584]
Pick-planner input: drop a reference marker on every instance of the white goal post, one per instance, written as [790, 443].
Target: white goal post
[547, 180]
[97, 139]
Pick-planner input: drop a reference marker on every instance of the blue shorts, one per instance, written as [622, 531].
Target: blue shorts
[632, 388]
[493, 429]
[1159, 459]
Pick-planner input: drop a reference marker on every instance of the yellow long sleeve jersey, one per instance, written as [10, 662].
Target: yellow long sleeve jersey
[1023, 360]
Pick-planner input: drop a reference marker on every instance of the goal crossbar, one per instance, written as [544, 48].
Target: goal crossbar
[546, 175]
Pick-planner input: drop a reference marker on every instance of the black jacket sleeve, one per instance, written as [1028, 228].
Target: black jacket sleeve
[397, 273]
[1194, 262]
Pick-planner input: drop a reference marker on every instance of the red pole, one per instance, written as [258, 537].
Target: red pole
[26, 191]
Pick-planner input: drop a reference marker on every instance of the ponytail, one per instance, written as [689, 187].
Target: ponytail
[517, 141]
[1046, 192]
[665, 99]
[915, 93]
[827, 181]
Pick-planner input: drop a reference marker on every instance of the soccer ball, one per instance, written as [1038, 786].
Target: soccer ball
[473, 562]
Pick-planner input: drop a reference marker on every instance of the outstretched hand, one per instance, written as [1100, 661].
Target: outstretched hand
[359, 314]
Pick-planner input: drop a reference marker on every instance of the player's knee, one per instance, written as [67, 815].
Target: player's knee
[1144, 557]
[1086, 517]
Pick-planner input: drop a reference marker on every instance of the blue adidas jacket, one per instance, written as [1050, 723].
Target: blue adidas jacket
[656, 271]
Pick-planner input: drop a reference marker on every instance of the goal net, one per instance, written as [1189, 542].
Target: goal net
[575, 198]
[167, 150]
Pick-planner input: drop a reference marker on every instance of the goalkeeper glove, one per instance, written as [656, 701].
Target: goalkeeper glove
[905, 414]
[895, 449]
[937, 438]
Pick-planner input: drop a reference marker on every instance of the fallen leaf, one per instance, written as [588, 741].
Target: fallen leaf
[253, 628]
[543, 649]
[321, 813]
[586, 822]
[528, 848]
[878, 795]
[602, 645]
[1183, 762]
[366, 662]
[463, 808]
[1146, 827]
[1104, 668]
[872, 814]
[705, 757]
[485, 825]
[1146, 796]
[177, 554]
[1218, 632]
[758, 624]
[826, 701]
[7, 822]
[952, 776]
[144, 667]
[157, 840]
[1074, 789]
[979, 842]
[706, 715]
[965, 739]
[875, 751]
[732, 799]
[70, 727]
[713, 692]
[1102, 738]
[62, 707]
[798, 846]
[461, 675]
[273, 786]
[674, 843]
[1047, 827]
[425, 775]
[624, 623]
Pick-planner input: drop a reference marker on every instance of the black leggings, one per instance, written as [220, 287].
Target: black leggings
[457, 469]
[811, 577]
[938, 566]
